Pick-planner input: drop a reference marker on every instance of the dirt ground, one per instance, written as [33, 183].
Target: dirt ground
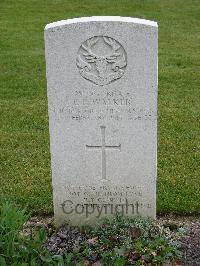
[190, 242]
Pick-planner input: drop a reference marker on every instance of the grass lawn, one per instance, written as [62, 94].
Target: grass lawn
[25, 160]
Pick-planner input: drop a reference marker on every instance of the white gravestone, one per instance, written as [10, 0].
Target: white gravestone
[102, 98]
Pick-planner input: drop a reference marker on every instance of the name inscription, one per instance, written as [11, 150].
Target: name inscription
[104, 105]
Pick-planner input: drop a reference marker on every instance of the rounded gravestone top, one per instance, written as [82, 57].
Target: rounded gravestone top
[101, 19]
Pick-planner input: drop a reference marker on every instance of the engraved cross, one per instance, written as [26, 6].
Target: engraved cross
[103, 148]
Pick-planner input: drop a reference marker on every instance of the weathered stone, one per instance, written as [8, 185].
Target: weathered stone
[102, 97]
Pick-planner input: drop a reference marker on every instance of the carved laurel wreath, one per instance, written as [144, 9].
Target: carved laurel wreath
[101, 69]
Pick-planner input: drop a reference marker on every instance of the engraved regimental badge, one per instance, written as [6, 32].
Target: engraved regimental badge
[101, 60]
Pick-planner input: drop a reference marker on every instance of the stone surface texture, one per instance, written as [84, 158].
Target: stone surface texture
[102, 101]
